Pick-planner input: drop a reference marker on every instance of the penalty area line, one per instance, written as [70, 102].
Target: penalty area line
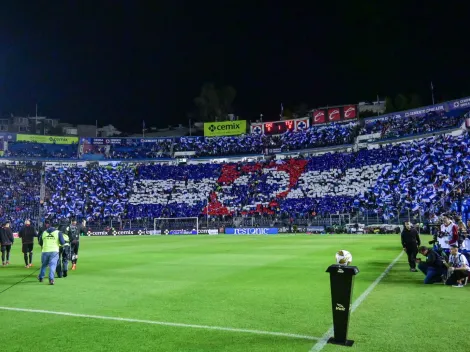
[163, 323]
[324, 339]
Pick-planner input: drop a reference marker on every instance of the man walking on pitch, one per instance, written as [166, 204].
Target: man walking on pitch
[50, 240]
[6, 240]
[74, 235]
[27, 235]
[410, 241]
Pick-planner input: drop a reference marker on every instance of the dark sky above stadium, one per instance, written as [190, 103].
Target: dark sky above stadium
[123, 61]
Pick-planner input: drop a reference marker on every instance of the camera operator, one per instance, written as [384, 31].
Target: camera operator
[410, 241]
[462, 233]
[433, 223]
[448, 235]
[458, 268]
[433, 267]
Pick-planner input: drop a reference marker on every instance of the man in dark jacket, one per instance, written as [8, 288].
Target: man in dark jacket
[433, 267]
[410, 241]
[6, 240]
[27, 235]
[73, 232]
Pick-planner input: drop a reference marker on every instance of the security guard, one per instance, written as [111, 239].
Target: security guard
[50, 242]
[64, 252]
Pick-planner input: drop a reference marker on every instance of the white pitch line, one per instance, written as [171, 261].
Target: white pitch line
[164, 323]
[324, 339]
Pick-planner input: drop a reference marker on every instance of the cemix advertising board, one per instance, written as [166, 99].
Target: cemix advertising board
[225, 128]
[46, 139]
[252, 231]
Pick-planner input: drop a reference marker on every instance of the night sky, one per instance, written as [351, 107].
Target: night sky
[124, 61]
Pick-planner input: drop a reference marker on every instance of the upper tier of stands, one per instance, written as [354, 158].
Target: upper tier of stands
[398, 125]
[418, 176]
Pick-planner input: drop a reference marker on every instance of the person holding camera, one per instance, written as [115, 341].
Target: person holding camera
[449, 234]
[410, 241]
[458, 268]
[433, 267]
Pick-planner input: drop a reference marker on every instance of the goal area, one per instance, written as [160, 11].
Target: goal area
[177, 226]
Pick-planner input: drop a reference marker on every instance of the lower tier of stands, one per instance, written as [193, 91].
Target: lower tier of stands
[388, 183]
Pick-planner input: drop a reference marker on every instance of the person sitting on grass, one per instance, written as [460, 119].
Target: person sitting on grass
[458, 268]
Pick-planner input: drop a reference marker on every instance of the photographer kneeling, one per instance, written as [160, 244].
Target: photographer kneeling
[433, 268]
[457, 268]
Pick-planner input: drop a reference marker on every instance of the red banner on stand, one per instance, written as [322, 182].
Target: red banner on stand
[318, 117]
[350, 112]
[334, 115]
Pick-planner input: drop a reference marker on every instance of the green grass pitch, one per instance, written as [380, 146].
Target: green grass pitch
[258, 283]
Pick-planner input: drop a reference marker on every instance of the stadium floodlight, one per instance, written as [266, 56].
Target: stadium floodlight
[181, 226]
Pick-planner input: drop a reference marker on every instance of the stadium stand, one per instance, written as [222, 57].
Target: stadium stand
[320, 136]
[40, 150]
[127, 148]
[393, 127]
[91, 193]
[391, 180]
[20, 196]
[386, 181]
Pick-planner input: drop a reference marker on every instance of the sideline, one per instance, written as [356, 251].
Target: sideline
[324, 339]
[163, 323]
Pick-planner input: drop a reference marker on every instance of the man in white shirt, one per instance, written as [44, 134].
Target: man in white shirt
[449, 234]
[458, 268]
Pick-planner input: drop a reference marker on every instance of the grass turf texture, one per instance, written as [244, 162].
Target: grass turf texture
[270, 283]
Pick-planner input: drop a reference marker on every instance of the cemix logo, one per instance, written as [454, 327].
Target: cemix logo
[58, 139]
[333, 114]
[225, 127]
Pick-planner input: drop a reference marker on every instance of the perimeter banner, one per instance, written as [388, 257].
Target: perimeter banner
[225, 128]
[46, 139]
[251, 231]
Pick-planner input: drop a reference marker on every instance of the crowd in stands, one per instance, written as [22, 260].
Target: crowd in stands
[90, 193]
[19, 194]
[393, 127]
[388, 180]
[250, 144]
[171, 191]
[133, 149]
[41, 150]
[220, 146]
[320, 136]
